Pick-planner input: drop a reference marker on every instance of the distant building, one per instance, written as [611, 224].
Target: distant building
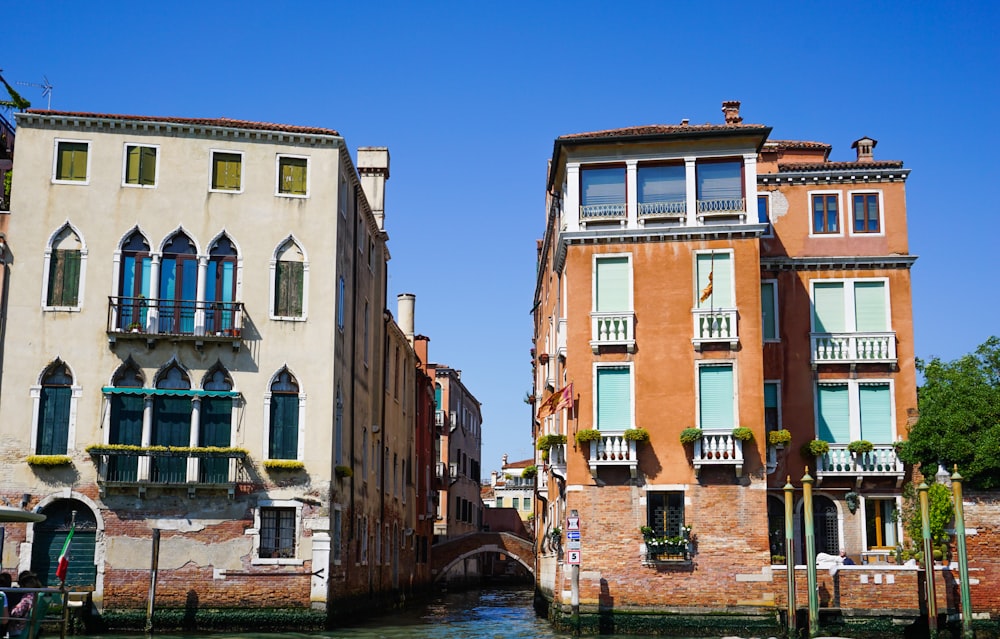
[514, 487]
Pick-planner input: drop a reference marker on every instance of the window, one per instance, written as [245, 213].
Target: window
[284, 413]
[277, 533]
[220, 288]
[866, 213]
[719, 186]
[371, 255]
[227, 171]
[363, 528]
[293, 175]
[72, 161]
[826, 213]
[140, 165]
[289, 281]
[613, 285]
[665, 513]
[397, 371]
[215, 426]
[715, 396]
[134, 283]
[340, 302]
[54, 410]
[763, 215]
[338, 430]
[714, 280]
[880, 523]
[64, 262]
[854, 409]
[772, 410]
[614, 398]
[125, 426]
[662, 190]
[850, 306]
[515, 503]
[178, 286]
[768, 309]
[171, 425]
[367, 336]
[342, 195]
[602, 192]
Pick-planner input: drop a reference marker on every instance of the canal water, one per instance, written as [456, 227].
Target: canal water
[491, 613]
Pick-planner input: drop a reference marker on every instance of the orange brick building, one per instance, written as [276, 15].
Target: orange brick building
[699, 288]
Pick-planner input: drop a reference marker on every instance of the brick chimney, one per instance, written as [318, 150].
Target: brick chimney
[373, 167]
[731, 109]
[864, 146]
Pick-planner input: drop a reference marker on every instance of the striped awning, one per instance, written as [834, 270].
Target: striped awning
[173, 392]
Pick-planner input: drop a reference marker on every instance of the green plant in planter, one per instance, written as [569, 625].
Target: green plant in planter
[283, 464]
[545, 455]
[546, 442]
[777, 559]
[815, 448]
[742, 433]
[343, 471]
[637, 435]
[690, 435]
[529, 472]
[861, 446]
[779, 437]
[587, 435]
[49, 461]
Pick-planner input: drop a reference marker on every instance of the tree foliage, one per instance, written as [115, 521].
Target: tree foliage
[960, 416]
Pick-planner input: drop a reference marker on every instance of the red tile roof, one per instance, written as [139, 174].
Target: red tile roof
[214, 122]
[794, 167]
[796, 144]
[663, 129]
[524, 463]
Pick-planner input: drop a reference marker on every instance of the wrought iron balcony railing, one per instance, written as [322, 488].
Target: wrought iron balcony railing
[151, 318]
[722, 208]
[671, 211]
[190, 468]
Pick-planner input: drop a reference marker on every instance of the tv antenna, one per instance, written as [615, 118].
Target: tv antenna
[46, 88]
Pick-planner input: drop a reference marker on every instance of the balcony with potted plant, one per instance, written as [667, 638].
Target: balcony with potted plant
[858, 460]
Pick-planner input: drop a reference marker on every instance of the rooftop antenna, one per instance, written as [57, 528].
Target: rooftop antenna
[46, 88]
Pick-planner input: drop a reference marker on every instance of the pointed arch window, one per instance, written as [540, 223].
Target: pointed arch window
[64, 268]
[284, 414]
[125, 425]
[289, 282]
[134, 283]
[178, 286]
[216, 425]
[220, 286]
[171, 425]
[54, 409]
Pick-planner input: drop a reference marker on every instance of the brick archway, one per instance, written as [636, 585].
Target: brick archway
[448, 553]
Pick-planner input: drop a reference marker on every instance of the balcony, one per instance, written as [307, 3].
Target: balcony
[191, 468]
[612, 449]
[662, 212]
[718, 448]
[441, 477]
[735, 207]
[853, 348]
[557, 459]
[439, 419]
[603, 213]
[612, 329]
[713, 325]
[153, 319]
[840, 462]
[561, 338]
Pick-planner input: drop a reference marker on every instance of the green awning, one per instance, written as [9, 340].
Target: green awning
[175, 392]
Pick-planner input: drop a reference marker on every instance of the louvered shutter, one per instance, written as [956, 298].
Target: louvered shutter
[715, 396]
[612, 284]
[828, 307]
[834, 413]
[869, 307]
[614, 398]
[876, 413]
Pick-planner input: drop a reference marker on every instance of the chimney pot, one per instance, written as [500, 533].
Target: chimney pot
[684, 122]
[731, 109]
[865, 147]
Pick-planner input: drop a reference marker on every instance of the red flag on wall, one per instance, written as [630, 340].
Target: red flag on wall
[556, 401]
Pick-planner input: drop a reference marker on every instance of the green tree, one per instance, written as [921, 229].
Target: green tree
[960, 416]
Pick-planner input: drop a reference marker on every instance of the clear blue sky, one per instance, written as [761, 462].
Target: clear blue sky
[469, 96]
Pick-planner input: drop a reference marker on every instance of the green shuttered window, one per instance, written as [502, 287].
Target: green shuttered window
[834, 413]
[288, 289]
[227, 170]
[715, 396]
[614, 398]
[71, 161]
[64, 278]
[876, 412]
[869, 306]
[828, 307]
[292, 176]
[612, 284]
[140, 165]
[832, 313]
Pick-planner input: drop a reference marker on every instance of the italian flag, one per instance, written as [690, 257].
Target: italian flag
[63, 565]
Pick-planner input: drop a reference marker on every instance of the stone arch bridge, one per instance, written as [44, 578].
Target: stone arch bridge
[448, 553]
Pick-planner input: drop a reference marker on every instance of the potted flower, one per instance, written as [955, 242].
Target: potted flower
[587, 435]
[637, 435]
[815, 448]
[742, 433]
[779, 438]
[690, 435]
[529, 472]
[545, 442]
[543, 358]
[860, 447]
[134, 327]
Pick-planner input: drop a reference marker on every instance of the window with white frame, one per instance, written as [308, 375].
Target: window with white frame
[719, 185]
[850, 306]
[277, 530]
[602, 192]
[613, 397]
[227, 171]
[881, 523]
[714, 274]
[289, 281]
[71, 164]
[850, 410]
[866, 213]
[716, 396]
[293, 176]
[612, 283]
[55, 401]
[769, 310]
[65, 266]
[141, 164]
[662, 189]
[284, 423]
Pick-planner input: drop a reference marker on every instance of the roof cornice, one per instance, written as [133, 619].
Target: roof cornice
[844, 262]
[828, 176]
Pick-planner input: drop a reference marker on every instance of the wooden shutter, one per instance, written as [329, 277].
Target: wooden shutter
[869, 307]
[614, 398]
[284, 426]
[767, 308]
[876, 413]
[828, 307]
[64, 278]
[715, 396]
[132, 162]
[834, 413]
[147, 165]
[288, 289]
[71, 163]
[53, 420]
[612, 284]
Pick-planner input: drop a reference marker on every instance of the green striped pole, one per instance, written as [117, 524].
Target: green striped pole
[810, 558]
[790, 552]
[925, 521]
[963, 556]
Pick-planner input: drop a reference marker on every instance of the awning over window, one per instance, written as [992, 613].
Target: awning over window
[153, 392]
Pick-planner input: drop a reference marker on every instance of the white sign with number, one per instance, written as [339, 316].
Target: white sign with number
[573, 557]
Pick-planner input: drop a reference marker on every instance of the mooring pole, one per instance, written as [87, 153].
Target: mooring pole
[963, 556]
[925, 525]
[810, 558]
[154, 565]
[790, 552]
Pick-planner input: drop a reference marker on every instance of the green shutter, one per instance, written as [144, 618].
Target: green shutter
[53, 420]
[147, 166]
[715, 396]
[64, 278]
[284, 426]
[125, 428]
[767, 308]
[612, 284]
[226, 173]
[47, 546]
[55, 278]
[834, 413]
[71, 162]
[171, 427]
[288, 289]
[828, 307]
[293, 176]
[719, 266]
[614, 398]
[869, 306]
[215, 427]
[132, 162]
[770, 395]
[876, 413]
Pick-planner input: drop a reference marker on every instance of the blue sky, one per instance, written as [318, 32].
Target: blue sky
[469, 97]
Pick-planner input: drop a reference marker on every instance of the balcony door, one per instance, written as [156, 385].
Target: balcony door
[171, 426]
[216, 427]
[178, 286]
[220, 287]
[133, 287]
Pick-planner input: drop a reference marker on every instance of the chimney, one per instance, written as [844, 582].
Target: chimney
[373, 166]
[865, 146]
[731, 109]
[406, 303]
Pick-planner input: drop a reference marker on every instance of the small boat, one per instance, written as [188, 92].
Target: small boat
[9, 515]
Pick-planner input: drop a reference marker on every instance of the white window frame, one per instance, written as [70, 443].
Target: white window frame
[277, 180]
[55, 161]
[254, 534]
[731, 362]
[631, 370]
[881, 212]
[898, 524]
[211, 170]
[777, 325]
[266, 439]
[732, 274]
[35, 392]
[854, 404]
[47, 263]
[305, 282]
[850, 316]
[593, 280]
[156, 171]
[840, 212]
